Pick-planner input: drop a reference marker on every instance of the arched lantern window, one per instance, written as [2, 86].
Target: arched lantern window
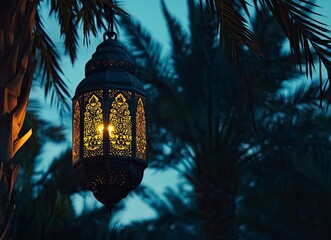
[109, 125]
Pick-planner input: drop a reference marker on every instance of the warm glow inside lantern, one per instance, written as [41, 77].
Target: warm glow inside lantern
[109, 125]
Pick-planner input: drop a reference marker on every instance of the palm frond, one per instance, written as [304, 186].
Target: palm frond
[304, 96]
[234, 28]
[90, 15]
[145, 50]
[235, 33]
[267, 75]
[49, 67]
[179, 36]
[303, 31]
[66, 15]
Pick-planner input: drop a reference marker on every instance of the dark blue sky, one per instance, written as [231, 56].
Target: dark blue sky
[148, 12]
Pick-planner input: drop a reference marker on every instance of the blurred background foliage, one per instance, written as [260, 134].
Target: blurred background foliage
[255, 169]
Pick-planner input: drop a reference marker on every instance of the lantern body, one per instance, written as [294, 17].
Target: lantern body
[109, 125]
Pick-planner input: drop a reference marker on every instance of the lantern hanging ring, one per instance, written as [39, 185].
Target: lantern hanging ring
[110, 15]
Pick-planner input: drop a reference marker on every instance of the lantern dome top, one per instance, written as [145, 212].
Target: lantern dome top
[110, 67]
[114, 52]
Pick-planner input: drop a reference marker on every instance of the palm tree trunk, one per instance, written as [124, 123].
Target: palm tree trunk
[17, 65]
[216, 204]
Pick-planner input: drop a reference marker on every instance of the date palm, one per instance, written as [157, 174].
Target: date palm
[201, 124]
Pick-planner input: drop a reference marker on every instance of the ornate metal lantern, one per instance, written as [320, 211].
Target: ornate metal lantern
[109, 125]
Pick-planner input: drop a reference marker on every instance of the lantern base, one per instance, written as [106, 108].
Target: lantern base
[109, 195]
[110, 180]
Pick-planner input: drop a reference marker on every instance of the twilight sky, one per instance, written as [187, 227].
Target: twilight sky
[148, 12]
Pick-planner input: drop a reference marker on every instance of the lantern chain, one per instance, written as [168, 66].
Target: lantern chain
[110, 15]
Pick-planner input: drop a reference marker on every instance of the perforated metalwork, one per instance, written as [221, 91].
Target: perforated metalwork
[120, 127]
[113, 93]
[117, 177]
[140, 130]
[98, 65]
[76, 133]
[93, 125]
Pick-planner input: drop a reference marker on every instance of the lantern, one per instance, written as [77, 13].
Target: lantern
[109, 125]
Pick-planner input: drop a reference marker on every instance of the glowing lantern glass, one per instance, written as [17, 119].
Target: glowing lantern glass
[109, 125]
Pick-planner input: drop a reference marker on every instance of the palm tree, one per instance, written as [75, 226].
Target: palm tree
[201, 123]
[24, 46]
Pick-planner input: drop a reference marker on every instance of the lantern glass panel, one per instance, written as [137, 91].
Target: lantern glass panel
[93, 124]
[76, 133]
[140, 130]
[120, 124]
